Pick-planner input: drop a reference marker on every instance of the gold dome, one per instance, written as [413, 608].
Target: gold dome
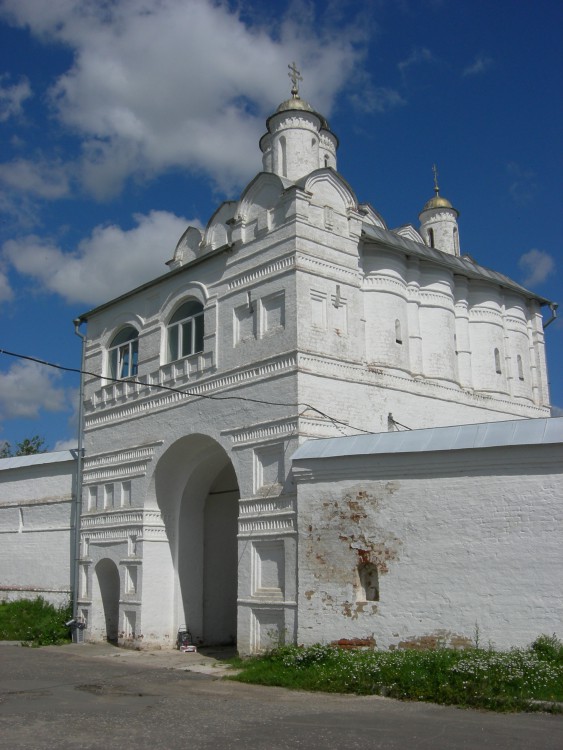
[294, 103]
[300, 104]
[437, 202]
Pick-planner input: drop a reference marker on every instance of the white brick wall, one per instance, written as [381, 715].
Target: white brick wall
[36, 496]
[465, 542]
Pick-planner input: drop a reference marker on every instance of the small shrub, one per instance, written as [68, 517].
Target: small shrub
[35, 622]
[548, 648]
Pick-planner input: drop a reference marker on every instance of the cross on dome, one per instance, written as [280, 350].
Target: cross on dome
[435, 170]
[295, 76]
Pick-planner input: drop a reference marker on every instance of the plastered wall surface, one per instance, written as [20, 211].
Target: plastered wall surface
[36, 516]
[466, 545]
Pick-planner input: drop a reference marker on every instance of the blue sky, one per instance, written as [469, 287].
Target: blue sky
[123, 122]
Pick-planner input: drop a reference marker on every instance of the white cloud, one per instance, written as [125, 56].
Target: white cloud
[12, 97]
[27, 388]
[522, 187]
[39, 178]
[481, 63]
[537, 265]
[106, 264]
[66, 445]
[183, 82]
[6, 292]
[417, 56]
[377, 99]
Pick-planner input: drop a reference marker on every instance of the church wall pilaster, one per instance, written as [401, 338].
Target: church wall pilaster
[413, 312]
[463, 347]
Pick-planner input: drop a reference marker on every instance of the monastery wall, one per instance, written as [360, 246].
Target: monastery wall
[36, 518]
[437, 546]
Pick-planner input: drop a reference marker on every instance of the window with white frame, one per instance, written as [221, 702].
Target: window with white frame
[124, 354]
[185, 331]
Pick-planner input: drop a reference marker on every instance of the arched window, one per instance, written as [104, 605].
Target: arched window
[326, 160]
[497, 362]
[185, 331]
[456, 241]
[520, 368]
[398, 336]
[283, 156]
[124, 354]
[431, 237]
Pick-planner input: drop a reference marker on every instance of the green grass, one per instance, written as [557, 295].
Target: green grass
[477, 678]
[34, 622]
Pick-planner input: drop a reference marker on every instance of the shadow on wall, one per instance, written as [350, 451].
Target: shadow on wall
[108, 582]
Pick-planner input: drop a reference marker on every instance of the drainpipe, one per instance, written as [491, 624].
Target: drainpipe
[77, 323]
[553, 307]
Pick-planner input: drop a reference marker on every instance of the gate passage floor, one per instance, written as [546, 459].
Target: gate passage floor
[86, 696]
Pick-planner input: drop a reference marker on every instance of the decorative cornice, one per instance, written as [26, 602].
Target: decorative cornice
[112, 458]
[385, 283]
[280, 266]
[165, 400]
[107, 536]
[516, 323]
[121, 518]
[283, 504]
[111, 519]
[320, 267]
[262, 432]
[327, 141]
[295, 121]
[485, 314]
[138, 469]
[435, 298]
[274, 525]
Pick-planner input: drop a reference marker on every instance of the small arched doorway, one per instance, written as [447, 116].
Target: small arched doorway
[197, 493]
[107, 577]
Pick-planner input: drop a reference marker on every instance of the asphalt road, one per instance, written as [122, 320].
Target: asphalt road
[81, 697]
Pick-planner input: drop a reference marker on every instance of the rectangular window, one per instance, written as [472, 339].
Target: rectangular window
[108, 496]
[131, 579]
[92, 498]
[84, 582]
[132, 545]
[125, 494]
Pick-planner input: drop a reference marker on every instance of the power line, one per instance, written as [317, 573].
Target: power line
[79, 371]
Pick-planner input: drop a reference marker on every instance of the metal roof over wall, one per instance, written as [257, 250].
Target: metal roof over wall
[37, 459]
[460, 437]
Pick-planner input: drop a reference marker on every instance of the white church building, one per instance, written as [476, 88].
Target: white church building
[207, 499]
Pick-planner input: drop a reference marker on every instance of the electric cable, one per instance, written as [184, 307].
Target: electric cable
[248, 399]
